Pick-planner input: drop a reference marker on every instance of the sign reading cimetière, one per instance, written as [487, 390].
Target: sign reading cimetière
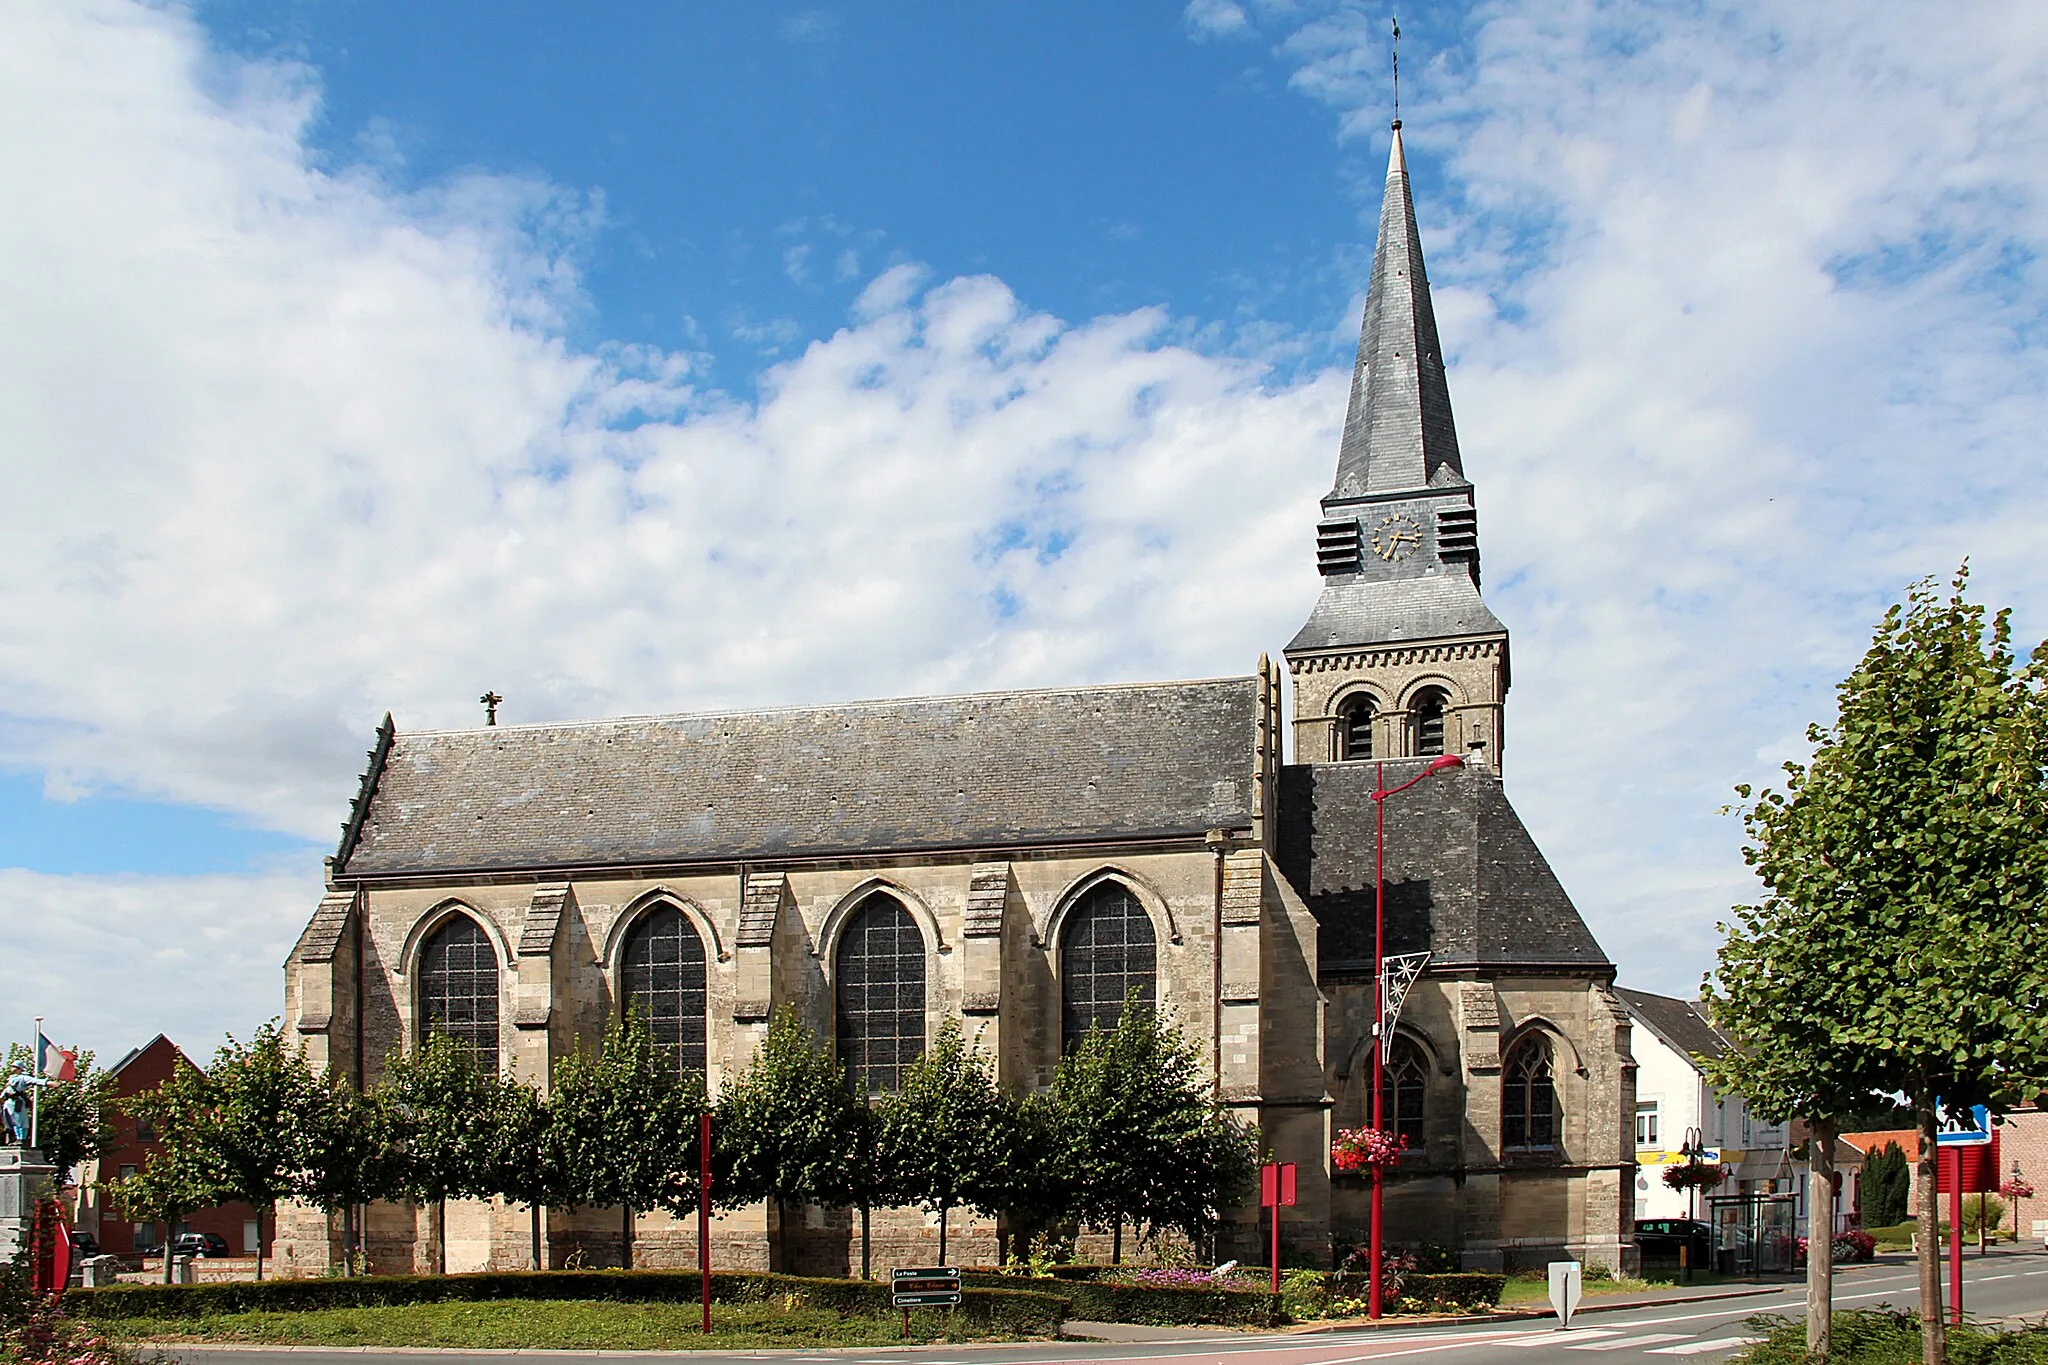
[926, 1287]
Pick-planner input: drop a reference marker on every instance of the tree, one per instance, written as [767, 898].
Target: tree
[786, 1127]
[622, 1128]
[180, 1175]
[940, 1133]
[1886, 1183]
[1035, 1189]
[443, 1103]
[353, 1156]
[1145, 1143]
[260, 1092]
[1900, 945]
[74, 1119]
[519, 1159]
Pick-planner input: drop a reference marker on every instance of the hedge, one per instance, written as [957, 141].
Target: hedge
[1099, 1301]
[1464, 1289]
[1004, 1308]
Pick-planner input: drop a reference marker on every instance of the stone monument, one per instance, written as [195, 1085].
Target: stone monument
[25, 1179]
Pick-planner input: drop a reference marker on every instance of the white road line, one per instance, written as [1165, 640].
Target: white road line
[1651, 1340]
[1987, 1279]
[1570, 1337]
[1697, 1348]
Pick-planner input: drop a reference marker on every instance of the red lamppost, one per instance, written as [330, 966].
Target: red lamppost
[1379, 994]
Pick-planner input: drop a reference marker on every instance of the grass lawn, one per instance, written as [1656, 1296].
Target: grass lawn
[570, 1325]
[1526, 1289]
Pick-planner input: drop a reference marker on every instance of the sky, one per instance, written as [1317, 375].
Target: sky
[361, 356]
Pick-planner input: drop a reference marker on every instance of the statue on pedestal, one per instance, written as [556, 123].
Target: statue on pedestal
[14, 1111]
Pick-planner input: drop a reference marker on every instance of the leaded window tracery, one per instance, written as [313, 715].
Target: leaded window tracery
[459, 987]
[1107, 950]
[879, 978]
[1529, 1116]
[1407, 1098]
[663, 982]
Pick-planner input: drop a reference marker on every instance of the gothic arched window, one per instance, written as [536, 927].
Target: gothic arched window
[1529, 1117]
[1407, 1079]
[1429, 720]
[1354, 727]
[1107, 950]
[459, 987]
[879, 971]
[661, 980]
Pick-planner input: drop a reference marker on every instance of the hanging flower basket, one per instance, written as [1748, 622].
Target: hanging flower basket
[1365, 1149]
[2016, 1189]
[1708, 1176]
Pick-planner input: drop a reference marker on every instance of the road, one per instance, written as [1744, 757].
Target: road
[2009, 1284]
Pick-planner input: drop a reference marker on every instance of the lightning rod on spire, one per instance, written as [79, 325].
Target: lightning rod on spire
[1397, 72]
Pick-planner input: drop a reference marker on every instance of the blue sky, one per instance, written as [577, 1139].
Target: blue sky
[361, 356]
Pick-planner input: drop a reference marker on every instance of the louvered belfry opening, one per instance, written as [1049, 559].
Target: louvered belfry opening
[1429, 721]
[1407, 1079]
[1528, 1110]
[459, 987]
[1107, 949]
[662, 980]
[880, 976]
[1354, 728]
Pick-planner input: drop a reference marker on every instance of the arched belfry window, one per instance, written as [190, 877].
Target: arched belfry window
[1107, 950]
[662, 981]
[879, 975]
[1529, 1117]
[1429, 720]
[1354, 727]
[1407, 1081]
[459, 987]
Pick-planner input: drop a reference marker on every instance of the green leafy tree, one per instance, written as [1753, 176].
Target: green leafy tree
[786, 1127]
[941, 1133]
[443, 1101]
[353, 1155]
[261, 1092]
[622, 1128]
[75, 1118]
[1144, 1141]
[1034, 1188]
[181, 1175]
[1901, 942]
[519, 1160]
[1886, 1183]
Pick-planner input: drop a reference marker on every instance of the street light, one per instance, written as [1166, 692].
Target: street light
[1694, 1150]
[1379, 966]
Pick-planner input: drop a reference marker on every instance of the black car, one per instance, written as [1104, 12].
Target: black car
[208, 1244]
[84, 1244]
[1659, 1239]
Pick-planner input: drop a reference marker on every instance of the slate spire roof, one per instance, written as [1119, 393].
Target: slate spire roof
[1398, 432]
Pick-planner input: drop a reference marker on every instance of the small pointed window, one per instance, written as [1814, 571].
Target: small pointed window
[1429, 721]
[1407, 1090]
[1528, 1111]
[1354, 727]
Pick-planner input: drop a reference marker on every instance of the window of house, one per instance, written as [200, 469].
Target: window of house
[1407, 1080]
[1107, 951]
[879, 989]
[145, 1131]
[1529, 1112]
[1646, 1125]
[459, 987]
[1354, 728]
[662, 982]
[1429, 721]
[127, 1172]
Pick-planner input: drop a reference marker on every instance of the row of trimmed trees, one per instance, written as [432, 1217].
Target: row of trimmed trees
[1126, 1134]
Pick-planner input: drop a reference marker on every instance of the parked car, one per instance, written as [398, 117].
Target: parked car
[210, 1244]
[1659, 1239]
[84, 1244]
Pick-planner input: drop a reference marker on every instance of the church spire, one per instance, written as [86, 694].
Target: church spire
[1398, 432]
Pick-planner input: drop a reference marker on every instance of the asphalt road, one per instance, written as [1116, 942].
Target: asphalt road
[2009, 1284]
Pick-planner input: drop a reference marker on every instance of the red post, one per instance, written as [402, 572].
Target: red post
[1379, 1000]
[1955, 1240]
[1276, 1190]
[704, 1215]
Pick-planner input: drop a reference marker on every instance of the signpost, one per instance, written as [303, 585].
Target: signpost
[1965, 1159]
[1276, 1190]
[1567, 1281]
[923, 1287]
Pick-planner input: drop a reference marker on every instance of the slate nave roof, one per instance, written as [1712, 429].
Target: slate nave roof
[991, 769]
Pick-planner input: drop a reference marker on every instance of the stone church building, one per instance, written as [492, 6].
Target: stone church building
[1022, 860]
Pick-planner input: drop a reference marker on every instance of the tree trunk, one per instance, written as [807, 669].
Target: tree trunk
[1820, 1239]
[534, 1208]
[1116, 1241]
[348, 1240]
[865, 1265]
[170, 1236]
[944, 1211]
[626, 1237]
[1933, 1333]
[441, 1235]
[259, 1245]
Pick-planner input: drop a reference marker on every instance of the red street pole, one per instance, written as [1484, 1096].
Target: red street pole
[1955, 1235]
[704, 1215]
[1379, 999]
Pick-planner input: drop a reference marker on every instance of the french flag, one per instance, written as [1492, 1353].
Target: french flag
[66, 1068]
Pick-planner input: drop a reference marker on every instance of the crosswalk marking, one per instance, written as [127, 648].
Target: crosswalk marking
[1694, 1348]
[1569, 1337]
[1651, 1340]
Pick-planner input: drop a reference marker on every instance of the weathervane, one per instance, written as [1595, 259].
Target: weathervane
[1397, 71]
[490, 701]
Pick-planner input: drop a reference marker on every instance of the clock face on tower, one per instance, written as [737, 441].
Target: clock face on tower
[1396, 537]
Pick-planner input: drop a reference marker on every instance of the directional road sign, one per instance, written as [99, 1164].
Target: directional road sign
[925, 1287]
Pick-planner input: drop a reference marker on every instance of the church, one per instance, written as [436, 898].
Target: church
[1022, 861]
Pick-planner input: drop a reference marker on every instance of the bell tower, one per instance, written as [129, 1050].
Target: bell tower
[1401, 655]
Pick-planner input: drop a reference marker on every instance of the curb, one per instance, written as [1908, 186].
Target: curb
[1517, 1315]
